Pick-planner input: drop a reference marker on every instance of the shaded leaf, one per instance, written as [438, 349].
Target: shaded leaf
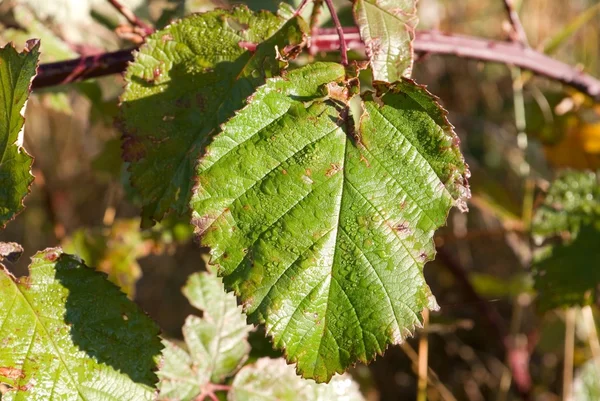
[273, 380]
[322, 233]
[387, 27]
[69, 334]
[566, 270]
[16, 73]
[217, 343]
[197, 72]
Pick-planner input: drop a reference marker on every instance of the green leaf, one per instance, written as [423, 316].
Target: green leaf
[273, 380]
[387, 27]
[323, 233]
[69, 334]
[16, 73]
[217, 343]
[196, 72]
[573, 200]
[566, 273]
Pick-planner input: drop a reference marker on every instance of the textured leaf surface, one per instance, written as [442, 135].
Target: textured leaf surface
[387, 29]
[217, 344]
[69, 334]
[16, 72]
[573, 200]
[324, 235]
[566, 273]
[187, 80]
[274, 380]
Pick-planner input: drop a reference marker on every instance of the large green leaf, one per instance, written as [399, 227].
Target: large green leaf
[273, 380]
[566, 270]
[69, 334]
[16, 73]
[387, 27]
[187, 80]
[217, 343]
[323, 232]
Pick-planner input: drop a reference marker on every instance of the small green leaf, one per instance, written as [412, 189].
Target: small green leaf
[16, 73]
[566, 273]
[69, 334]
[573, 200]
[187, 80]
[323, 232]
[217, 343]
[273, 380]
[387, 27]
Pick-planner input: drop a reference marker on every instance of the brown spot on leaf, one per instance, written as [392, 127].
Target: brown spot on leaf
[365, 160]
[166, 37]
[51, 256]
[12, 373]
[284, 172]
[133, 149]
[334, 169]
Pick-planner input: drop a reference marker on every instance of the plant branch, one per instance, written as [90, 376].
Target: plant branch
[131, 17]
[340, 31]
[518, 34]
[328, 40]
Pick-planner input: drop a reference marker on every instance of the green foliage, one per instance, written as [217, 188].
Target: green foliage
[322, 228]
[217, 344]
[573, 200]
[197, 72]
[387, 29]
[567, 273]
[586, 386]
[274, 380]
[217, 347]
[69, 334]
[16, 72]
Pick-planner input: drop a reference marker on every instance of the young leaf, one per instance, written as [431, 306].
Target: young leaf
[323, 234]
[387, 27]
[187, 80]
[567, 273]
[67, 333]
[274, 380]
[16, 73]
[217, 343]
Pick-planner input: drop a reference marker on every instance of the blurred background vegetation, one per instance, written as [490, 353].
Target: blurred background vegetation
[516, 130]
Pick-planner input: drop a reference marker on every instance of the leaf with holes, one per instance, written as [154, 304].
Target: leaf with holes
[274, 380]
[387, 27]
[322, 231]
[196, 73]
[16, 73]
[217, 343]
[69, 334]
[566, 273]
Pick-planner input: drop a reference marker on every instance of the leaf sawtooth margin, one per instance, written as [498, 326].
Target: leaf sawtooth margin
[321, 230]
[197, 72]
[67, 333]
[17, 71]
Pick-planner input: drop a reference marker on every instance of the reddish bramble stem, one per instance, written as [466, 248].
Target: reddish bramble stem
[327, 40]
